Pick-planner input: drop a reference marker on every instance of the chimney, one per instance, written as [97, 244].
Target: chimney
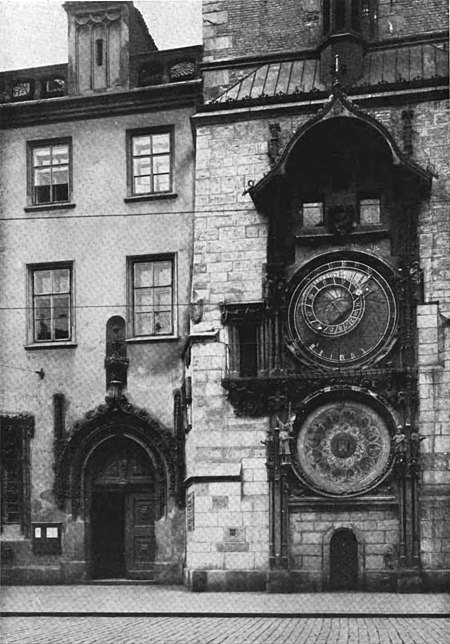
[102, 38]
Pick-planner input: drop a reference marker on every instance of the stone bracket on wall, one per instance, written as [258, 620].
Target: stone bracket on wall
[261, 396]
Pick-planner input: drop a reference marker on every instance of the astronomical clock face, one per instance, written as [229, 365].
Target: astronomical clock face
[342, 313]
[343, 448]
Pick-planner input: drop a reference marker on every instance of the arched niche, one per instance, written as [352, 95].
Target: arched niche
[343, 546]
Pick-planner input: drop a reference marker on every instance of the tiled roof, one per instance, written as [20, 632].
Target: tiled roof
[421, 62]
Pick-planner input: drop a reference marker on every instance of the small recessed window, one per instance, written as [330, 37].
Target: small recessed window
[312, 214]
[247, 351]
[152, 297]
[369, 211]
[151, 163]
[51, 288]
[99, 52]
[50, 173]
[341, 15]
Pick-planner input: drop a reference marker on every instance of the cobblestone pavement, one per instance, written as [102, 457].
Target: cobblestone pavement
[209, 630]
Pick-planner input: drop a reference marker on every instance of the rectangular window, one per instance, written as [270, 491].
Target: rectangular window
[15, 435]
[151, 162]
[50, 172]
[11, 467]
[369, 211]
[153, 296]
[312, 214]
[51, 288]
[248, 362]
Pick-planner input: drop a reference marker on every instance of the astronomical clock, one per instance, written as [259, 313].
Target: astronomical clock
[342, 312]
[329, 355]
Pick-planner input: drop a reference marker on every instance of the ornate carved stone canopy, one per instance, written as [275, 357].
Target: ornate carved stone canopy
[338, 106]
[116, 418]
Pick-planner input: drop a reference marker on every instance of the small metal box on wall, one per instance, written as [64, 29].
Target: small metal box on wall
[46, 538]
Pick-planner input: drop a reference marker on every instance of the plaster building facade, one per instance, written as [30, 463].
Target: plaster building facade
[97, 165]
[318, 457]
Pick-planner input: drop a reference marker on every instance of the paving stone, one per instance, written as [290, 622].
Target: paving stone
[259, 630]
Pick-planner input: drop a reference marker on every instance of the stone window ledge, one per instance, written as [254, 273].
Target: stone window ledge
[50, 345]
[153, 197]
[50, 206]
[153, 338]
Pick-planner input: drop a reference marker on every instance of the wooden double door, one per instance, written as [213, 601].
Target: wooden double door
[123, 533]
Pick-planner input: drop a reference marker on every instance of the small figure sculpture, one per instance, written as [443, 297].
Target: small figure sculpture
[285, 434]
[399, 441]
[415, 440]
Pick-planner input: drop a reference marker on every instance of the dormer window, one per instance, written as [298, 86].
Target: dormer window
[341, 16]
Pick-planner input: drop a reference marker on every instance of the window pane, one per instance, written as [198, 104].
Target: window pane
[143, 274]
[369, 211]
[161, 183]
[60, 155]
[143, 324]
[312, 214]
[42, 177]
[143, 300]
[161, 164]
[42, 318]
[41, 156]
[60, 175]
[42, 194]
[161, 143]
[61, 280]
[142, 185]
[163, 298]
[42, 282]
[141, 145]
[163, 273]
[61, 316]
[163, 322]
[60, 180]
[60, 192]
[142, 166]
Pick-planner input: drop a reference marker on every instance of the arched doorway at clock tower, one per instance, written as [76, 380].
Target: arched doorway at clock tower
[122, 494]
[343, 560]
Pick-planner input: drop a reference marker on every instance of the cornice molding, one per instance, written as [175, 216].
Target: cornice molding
[211, 113]
[72, 108]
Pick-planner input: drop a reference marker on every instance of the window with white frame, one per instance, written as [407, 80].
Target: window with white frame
[51, 294]
[152, 296]
[49, 172]
[150, 162]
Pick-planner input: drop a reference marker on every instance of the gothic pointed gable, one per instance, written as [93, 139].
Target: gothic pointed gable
[338, 106]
